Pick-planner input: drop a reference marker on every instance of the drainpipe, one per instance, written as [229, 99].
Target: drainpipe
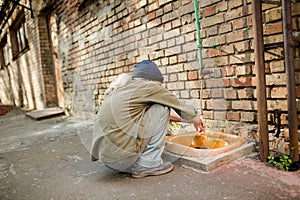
[290, 77]
[199, 44]
[261, 81]
[200, 47]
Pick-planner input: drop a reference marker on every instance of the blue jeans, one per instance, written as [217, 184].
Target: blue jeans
[156, 126]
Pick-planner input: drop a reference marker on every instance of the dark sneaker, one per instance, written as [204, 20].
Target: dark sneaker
[140, 171]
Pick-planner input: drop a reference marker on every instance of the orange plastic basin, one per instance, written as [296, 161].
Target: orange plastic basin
[192, 144]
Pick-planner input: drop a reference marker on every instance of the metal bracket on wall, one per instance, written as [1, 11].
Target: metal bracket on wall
[24, 6]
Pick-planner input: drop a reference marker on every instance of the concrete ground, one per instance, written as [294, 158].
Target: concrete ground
[49, 160]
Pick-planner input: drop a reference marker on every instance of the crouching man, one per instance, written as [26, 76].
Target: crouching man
[132, 122]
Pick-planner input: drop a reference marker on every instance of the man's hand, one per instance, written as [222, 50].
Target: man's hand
[197, 121]
[198, 124]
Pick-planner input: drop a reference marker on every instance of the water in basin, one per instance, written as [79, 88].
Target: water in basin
[192, 144]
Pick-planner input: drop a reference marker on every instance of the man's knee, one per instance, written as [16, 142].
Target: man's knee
[159, 111]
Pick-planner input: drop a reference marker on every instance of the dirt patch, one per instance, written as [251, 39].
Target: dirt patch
[5, 109]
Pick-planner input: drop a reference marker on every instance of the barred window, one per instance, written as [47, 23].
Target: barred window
[19, 36]
[4, 53]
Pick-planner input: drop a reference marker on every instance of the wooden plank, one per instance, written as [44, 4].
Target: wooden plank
[46, 113]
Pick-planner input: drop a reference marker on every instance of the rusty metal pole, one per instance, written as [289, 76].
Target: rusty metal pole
[290, 77]
[261, 81]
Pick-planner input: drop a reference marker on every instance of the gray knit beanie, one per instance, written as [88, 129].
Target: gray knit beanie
[147, 70]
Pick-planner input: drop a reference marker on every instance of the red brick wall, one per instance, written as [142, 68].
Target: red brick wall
[100, 41]
[46, 60]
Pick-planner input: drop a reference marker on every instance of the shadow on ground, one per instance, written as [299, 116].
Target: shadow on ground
[47, 160]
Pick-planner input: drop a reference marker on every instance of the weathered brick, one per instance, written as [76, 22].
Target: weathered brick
[151, 16]
[211, 31]
[214, 52]
[192, 84]
[186, 19]
[207, 115]
[169, 17]
[246, 93]
[215, 40]
[242, 46]
[173, 77]
[213, 20]
[153, 23]
[248, 116]
[174, 69]
[277, 104]
[208, 11]
[297, 89]
[173, 59]
[240, 23]
[279, 92]
[143, 3]
[230, 70]
[243, 70]
[172, 33]
[188, 28]
[230, 94]
[217, 93]
[190, 37]
[225, 27]
[184, 2]
[297, 64]
[182, 58]
[193, 75]
[176, 23]
[234, 3]
[184, 94]
[195, 94]
[242, 58]
[214, 83]
[167, 26]
[222, 6]
[153, 6]
[276, 79]
[168, 8]
[162, 2]
[266, 6]
[274, 54]
[295, 9]
[218, 104]
[165, 61]
[243, 105]
[244, 82]
[159, 12]
[220, 61]
[219, 115]
[238, 12]
[227, 49]
[187, 47]
[180, 40]
[182, 76]
[273, 39]
[233, 116]
[171, 42]
[272, 28]
[175, 85]
[204, 3]
[238, 35]
[273, 15]
[186, 9]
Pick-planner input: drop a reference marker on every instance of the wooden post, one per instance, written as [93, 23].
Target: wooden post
[261, 81]
[290, 78]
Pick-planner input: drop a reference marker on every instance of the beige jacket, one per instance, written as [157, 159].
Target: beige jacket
[118, 131]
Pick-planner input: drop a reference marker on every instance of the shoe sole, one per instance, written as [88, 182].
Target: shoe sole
[156, 173]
